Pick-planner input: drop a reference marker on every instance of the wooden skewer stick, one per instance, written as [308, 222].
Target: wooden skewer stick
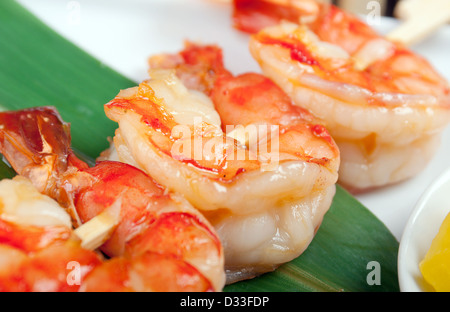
[97, 230]
[423, 18]
[404, 9]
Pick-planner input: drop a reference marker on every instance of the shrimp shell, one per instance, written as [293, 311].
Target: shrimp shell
[384, 105]
[156, 229]
[263, 216]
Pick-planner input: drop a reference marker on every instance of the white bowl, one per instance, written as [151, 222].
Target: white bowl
[421, 228]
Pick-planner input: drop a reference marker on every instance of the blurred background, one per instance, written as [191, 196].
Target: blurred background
[361, 6]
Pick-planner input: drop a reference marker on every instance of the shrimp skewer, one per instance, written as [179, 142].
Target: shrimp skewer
[37, 245]
[38, 252]
[384, 105]
[266, 206]
[160, 243]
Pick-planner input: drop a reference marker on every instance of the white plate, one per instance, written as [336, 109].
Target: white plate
[421, 228]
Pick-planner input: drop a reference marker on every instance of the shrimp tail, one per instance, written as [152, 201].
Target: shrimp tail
[36, 143]
[197, 66]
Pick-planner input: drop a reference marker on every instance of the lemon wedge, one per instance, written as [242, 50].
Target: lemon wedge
[435, 267]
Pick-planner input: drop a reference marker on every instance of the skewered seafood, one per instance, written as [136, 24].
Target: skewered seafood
[36, 242]
[263, 180]
[384, 105]
[159, 243]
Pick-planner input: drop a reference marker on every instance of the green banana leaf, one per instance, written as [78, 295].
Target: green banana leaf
[352, 251]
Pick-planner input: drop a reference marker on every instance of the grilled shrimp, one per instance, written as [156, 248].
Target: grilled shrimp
[384, 105]
[251, 16]
[37, 247]
[160, 242]
[261, 170]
